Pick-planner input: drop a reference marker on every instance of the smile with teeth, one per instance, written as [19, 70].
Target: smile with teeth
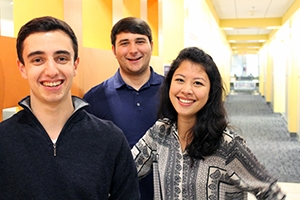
[185, 100]
[52, 84]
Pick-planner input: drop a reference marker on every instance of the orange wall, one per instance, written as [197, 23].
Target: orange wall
[152, 18]
[12, 86]
[96, 64]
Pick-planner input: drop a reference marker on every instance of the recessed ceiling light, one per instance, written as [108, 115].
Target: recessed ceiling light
[252, 12]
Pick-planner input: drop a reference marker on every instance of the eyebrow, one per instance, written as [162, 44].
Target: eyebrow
[123, 40]
[35, 53]
[197, 78]
[136, 39]
[42, 52]
[63, 52]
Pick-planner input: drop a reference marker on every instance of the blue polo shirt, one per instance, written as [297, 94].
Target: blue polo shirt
[131, 110]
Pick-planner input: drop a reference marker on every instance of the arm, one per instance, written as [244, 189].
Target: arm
[248, 174]
[142, 153]
[125, 182]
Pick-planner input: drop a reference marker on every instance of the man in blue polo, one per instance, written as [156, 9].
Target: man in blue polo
[130, 98]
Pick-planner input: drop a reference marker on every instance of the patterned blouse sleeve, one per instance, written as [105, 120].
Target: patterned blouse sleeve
[245, 171]
[142, 153]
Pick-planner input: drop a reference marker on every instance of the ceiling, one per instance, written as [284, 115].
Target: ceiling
[249, 23]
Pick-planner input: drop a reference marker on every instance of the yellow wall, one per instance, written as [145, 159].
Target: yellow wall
[201, 28]
[282, 71]
[131, 8]
[26, 10]
[173, 29]
[92, 21]
[293, 76]
[262, 74]
[97, 23]
[269, 78]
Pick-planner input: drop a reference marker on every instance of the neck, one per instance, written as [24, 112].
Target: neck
[136, 80]
[184, 125]
[52, 116]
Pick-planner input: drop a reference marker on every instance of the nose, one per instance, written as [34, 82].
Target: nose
[187, 88]
[51, 69]
[133, 48]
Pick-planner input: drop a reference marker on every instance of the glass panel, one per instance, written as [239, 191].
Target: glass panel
[6, 18]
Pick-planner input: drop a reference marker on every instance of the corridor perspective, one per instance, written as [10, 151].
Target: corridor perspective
[267, 136]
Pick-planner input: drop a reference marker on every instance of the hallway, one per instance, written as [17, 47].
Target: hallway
[267, 136]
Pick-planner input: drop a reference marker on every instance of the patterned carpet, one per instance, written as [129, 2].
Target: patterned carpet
[266, 135]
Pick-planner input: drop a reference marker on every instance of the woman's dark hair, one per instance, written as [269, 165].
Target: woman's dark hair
[130, 25]
[44, 24]
[211, 121]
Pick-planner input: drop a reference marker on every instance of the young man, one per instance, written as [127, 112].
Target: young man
[53, 148]
[130, 98]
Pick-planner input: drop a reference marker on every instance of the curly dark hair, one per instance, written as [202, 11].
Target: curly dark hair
[206, 134]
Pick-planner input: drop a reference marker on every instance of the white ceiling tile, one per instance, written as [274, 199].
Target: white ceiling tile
[250, 9]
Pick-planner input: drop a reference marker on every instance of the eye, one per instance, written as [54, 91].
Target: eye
[180, 80]
[125, 43]
[37, 61]
[198, 83]
[62, 59]
[140, 41]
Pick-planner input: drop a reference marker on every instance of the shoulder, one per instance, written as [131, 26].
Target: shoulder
[230, 136]
[100, 87]
[234, 145]
[9, 123]
[161, 127]
[12, 127]
[159, 78]
[231, 142]
[156, 77]
[100, 127]
[98, 122]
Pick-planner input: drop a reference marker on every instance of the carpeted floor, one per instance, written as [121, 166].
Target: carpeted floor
[266, 135]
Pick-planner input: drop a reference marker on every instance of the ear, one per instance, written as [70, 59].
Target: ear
[113, 48]
[22, 69]
[76, 63]
[151, 43]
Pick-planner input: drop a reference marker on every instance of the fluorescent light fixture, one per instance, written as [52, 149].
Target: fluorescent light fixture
[227, 28]
[232, 41]
[261, 40]
[273, 27]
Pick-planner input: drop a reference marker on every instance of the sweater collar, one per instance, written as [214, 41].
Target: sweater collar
[78, 103]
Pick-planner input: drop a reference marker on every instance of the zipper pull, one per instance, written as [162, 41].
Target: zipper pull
[54, 149]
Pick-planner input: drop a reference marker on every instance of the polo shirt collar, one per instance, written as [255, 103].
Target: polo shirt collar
[153, 80]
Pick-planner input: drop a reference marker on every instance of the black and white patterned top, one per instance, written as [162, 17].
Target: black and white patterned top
[228, 174]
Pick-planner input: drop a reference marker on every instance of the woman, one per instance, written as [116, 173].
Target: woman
[191, 149]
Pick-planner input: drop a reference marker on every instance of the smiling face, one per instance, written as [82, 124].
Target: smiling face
[49, 66]
[133, 52]
[189, 89]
